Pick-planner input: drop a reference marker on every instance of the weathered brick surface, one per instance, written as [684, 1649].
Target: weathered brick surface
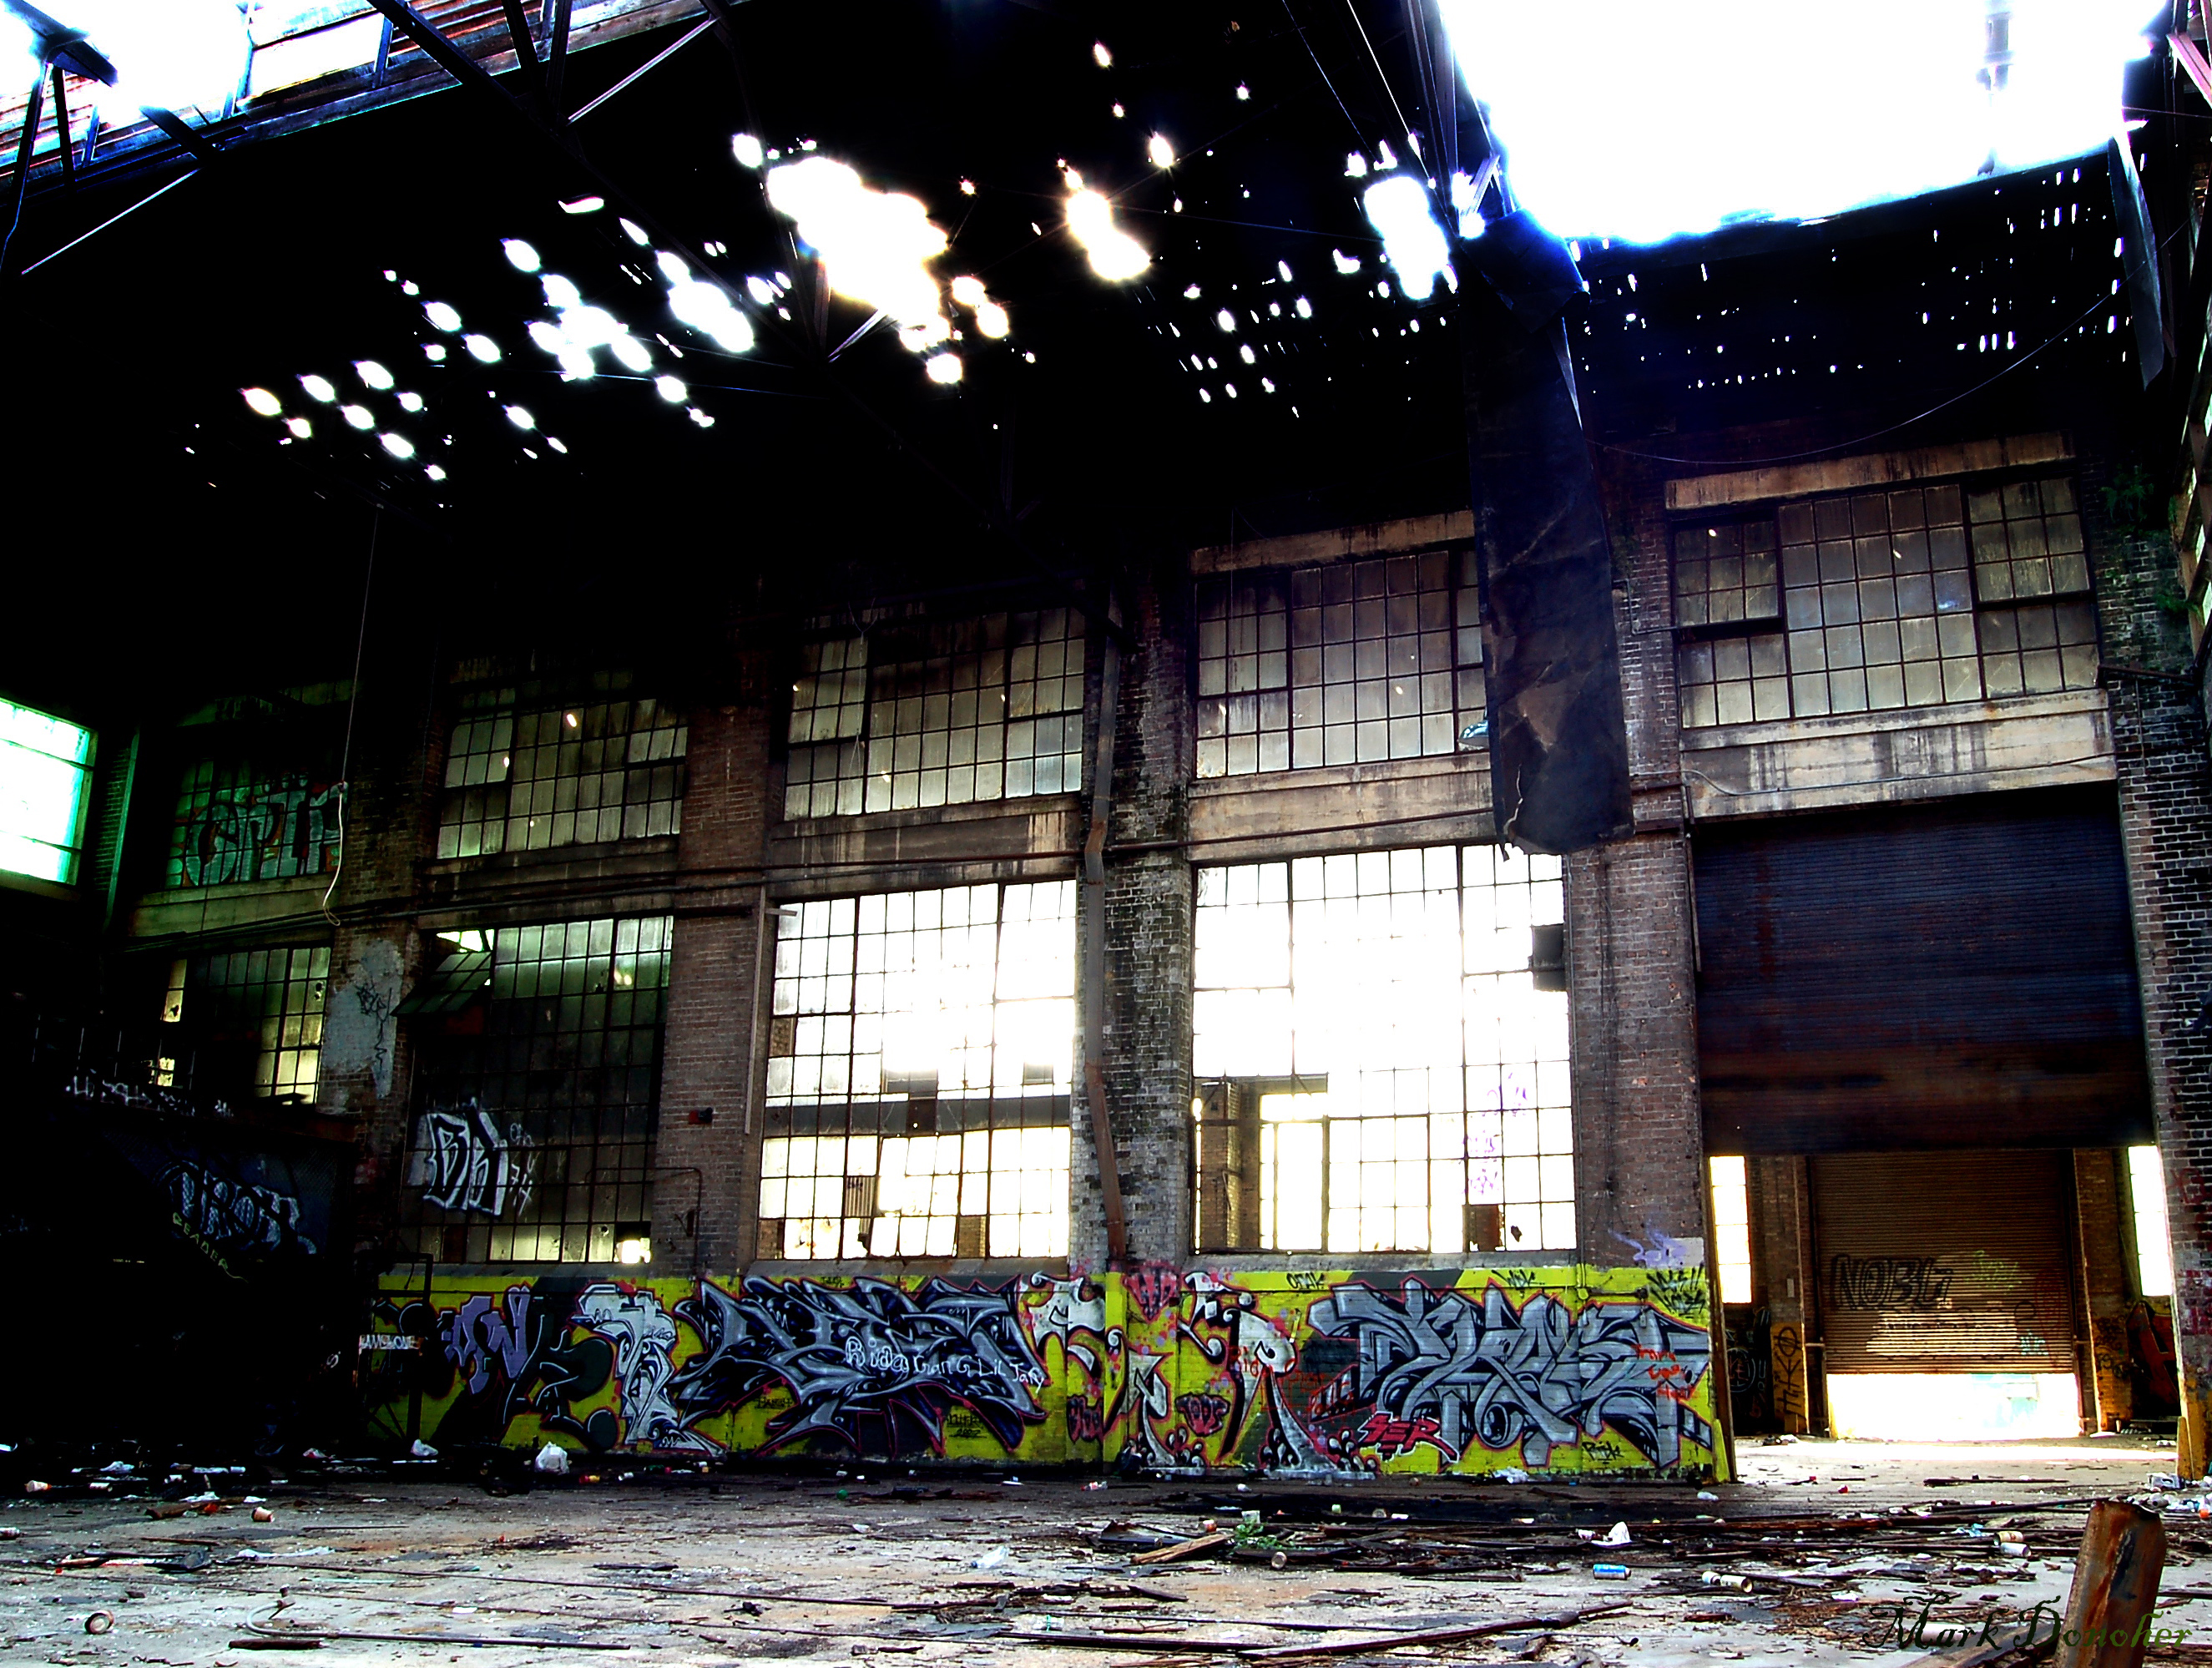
[714, 1049]
[1148, 907]
[2166, 812]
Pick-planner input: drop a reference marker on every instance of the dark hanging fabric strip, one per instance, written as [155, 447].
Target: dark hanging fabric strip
[1558, 742]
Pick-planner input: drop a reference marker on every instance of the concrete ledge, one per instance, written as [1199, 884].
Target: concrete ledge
[1279, 813]
[1872, 469]
[240, 907]
[1037, 839]
[1914, 752]
[1299, 549]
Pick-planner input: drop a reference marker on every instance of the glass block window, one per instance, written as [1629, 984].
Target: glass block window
[949, 713]
[532, 1141]
[1344, 664]
[1413, 1081]
[526, 772]
[2147, 1198]
[270, 1000]
[237, 820]
[46, 769]
[1889, 599]
[918, 1075]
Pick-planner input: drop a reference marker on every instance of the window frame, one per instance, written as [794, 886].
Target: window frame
[1468, 726]
[72, 852]
[1768, 645]
[1541, 1203]
[876, 721]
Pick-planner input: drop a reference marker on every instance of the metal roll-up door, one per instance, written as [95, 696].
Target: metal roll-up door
[1956, 975]
[1945, 1261]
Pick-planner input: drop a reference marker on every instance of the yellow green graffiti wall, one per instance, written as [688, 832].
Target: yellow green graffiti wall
[1549, 1370]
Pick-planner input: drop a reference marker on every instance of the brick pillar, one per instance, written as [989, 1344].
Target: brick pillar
[2107, 1398]
[1639, 1129]
[1639, 1140]
[2166, 812]
[1149, 904]
[397, 758]
[713, 1038]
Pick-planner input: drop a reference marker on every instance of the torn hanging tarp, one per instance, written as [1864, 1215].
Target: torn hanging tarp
[1558, 742]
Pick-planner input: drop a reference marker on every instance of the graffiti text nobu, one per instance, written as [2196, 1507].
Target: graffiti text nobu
[1888, 1283]
[462, 1162]
[1444, 1370]
[876, 1366]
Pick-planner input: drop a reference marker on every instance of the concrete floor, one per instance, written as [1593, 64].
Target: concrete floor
[970, 1569]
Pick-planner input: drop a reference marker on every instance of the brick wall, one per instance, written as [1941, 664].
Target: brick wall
[715, 1037]
[2166, 812]
[1148, 904]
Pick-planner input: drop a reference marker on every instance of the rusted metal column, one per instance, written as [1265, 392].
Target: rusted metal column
[2109, 1612]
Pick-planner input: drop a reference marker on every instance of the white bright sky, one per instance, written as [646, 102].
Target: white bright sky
[1645, 120]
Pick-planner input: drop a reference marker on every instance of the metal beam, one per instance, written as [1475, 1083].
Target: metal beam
[525, 50]
[185, 134]
[556, 52]
[62, 132]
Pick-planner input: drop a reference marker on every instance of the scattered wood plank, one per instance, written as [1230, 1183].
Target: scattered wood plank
[1433, 1636]
[1182, 1549]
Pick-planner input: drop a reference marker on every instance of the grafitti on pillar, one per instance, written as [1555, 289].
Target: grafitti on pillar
[872, 1366]
[1786, 1354]
[462, 1162]
[1564, 1370]
[1538, 1377]
[644, 1340]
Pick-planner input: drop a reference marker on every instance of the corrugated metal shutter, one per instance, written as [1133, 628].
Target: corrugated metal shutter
[1944, 1261]
[1955, 975]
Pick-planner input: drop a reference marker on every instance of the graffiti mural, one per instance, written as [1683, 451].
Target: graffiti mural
[1559, 1370]
[1531, 1377]
[870, 1361]
[463, 1161]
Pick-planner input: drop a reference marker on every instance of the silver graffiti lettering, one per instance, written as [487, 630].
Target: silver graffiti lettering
[462, 1162]
[1544, 1376]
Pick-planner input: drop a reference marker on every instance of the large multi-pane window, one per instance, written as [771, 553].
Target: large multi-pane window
[918, 1075]
[1869, 601]
[527, 772]
[46, 766]
[540, 1051]
[1342, 664]
[1412, 1078]
[947, 712]
[267, 1003]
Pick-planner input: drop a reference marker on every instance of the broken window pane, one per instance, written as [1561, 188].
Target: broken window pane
[918, 1075]
[532, 1141]
[526, 772]
[944, 713]
[1412, 1081]
[256, 1017]
[1344, 664]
